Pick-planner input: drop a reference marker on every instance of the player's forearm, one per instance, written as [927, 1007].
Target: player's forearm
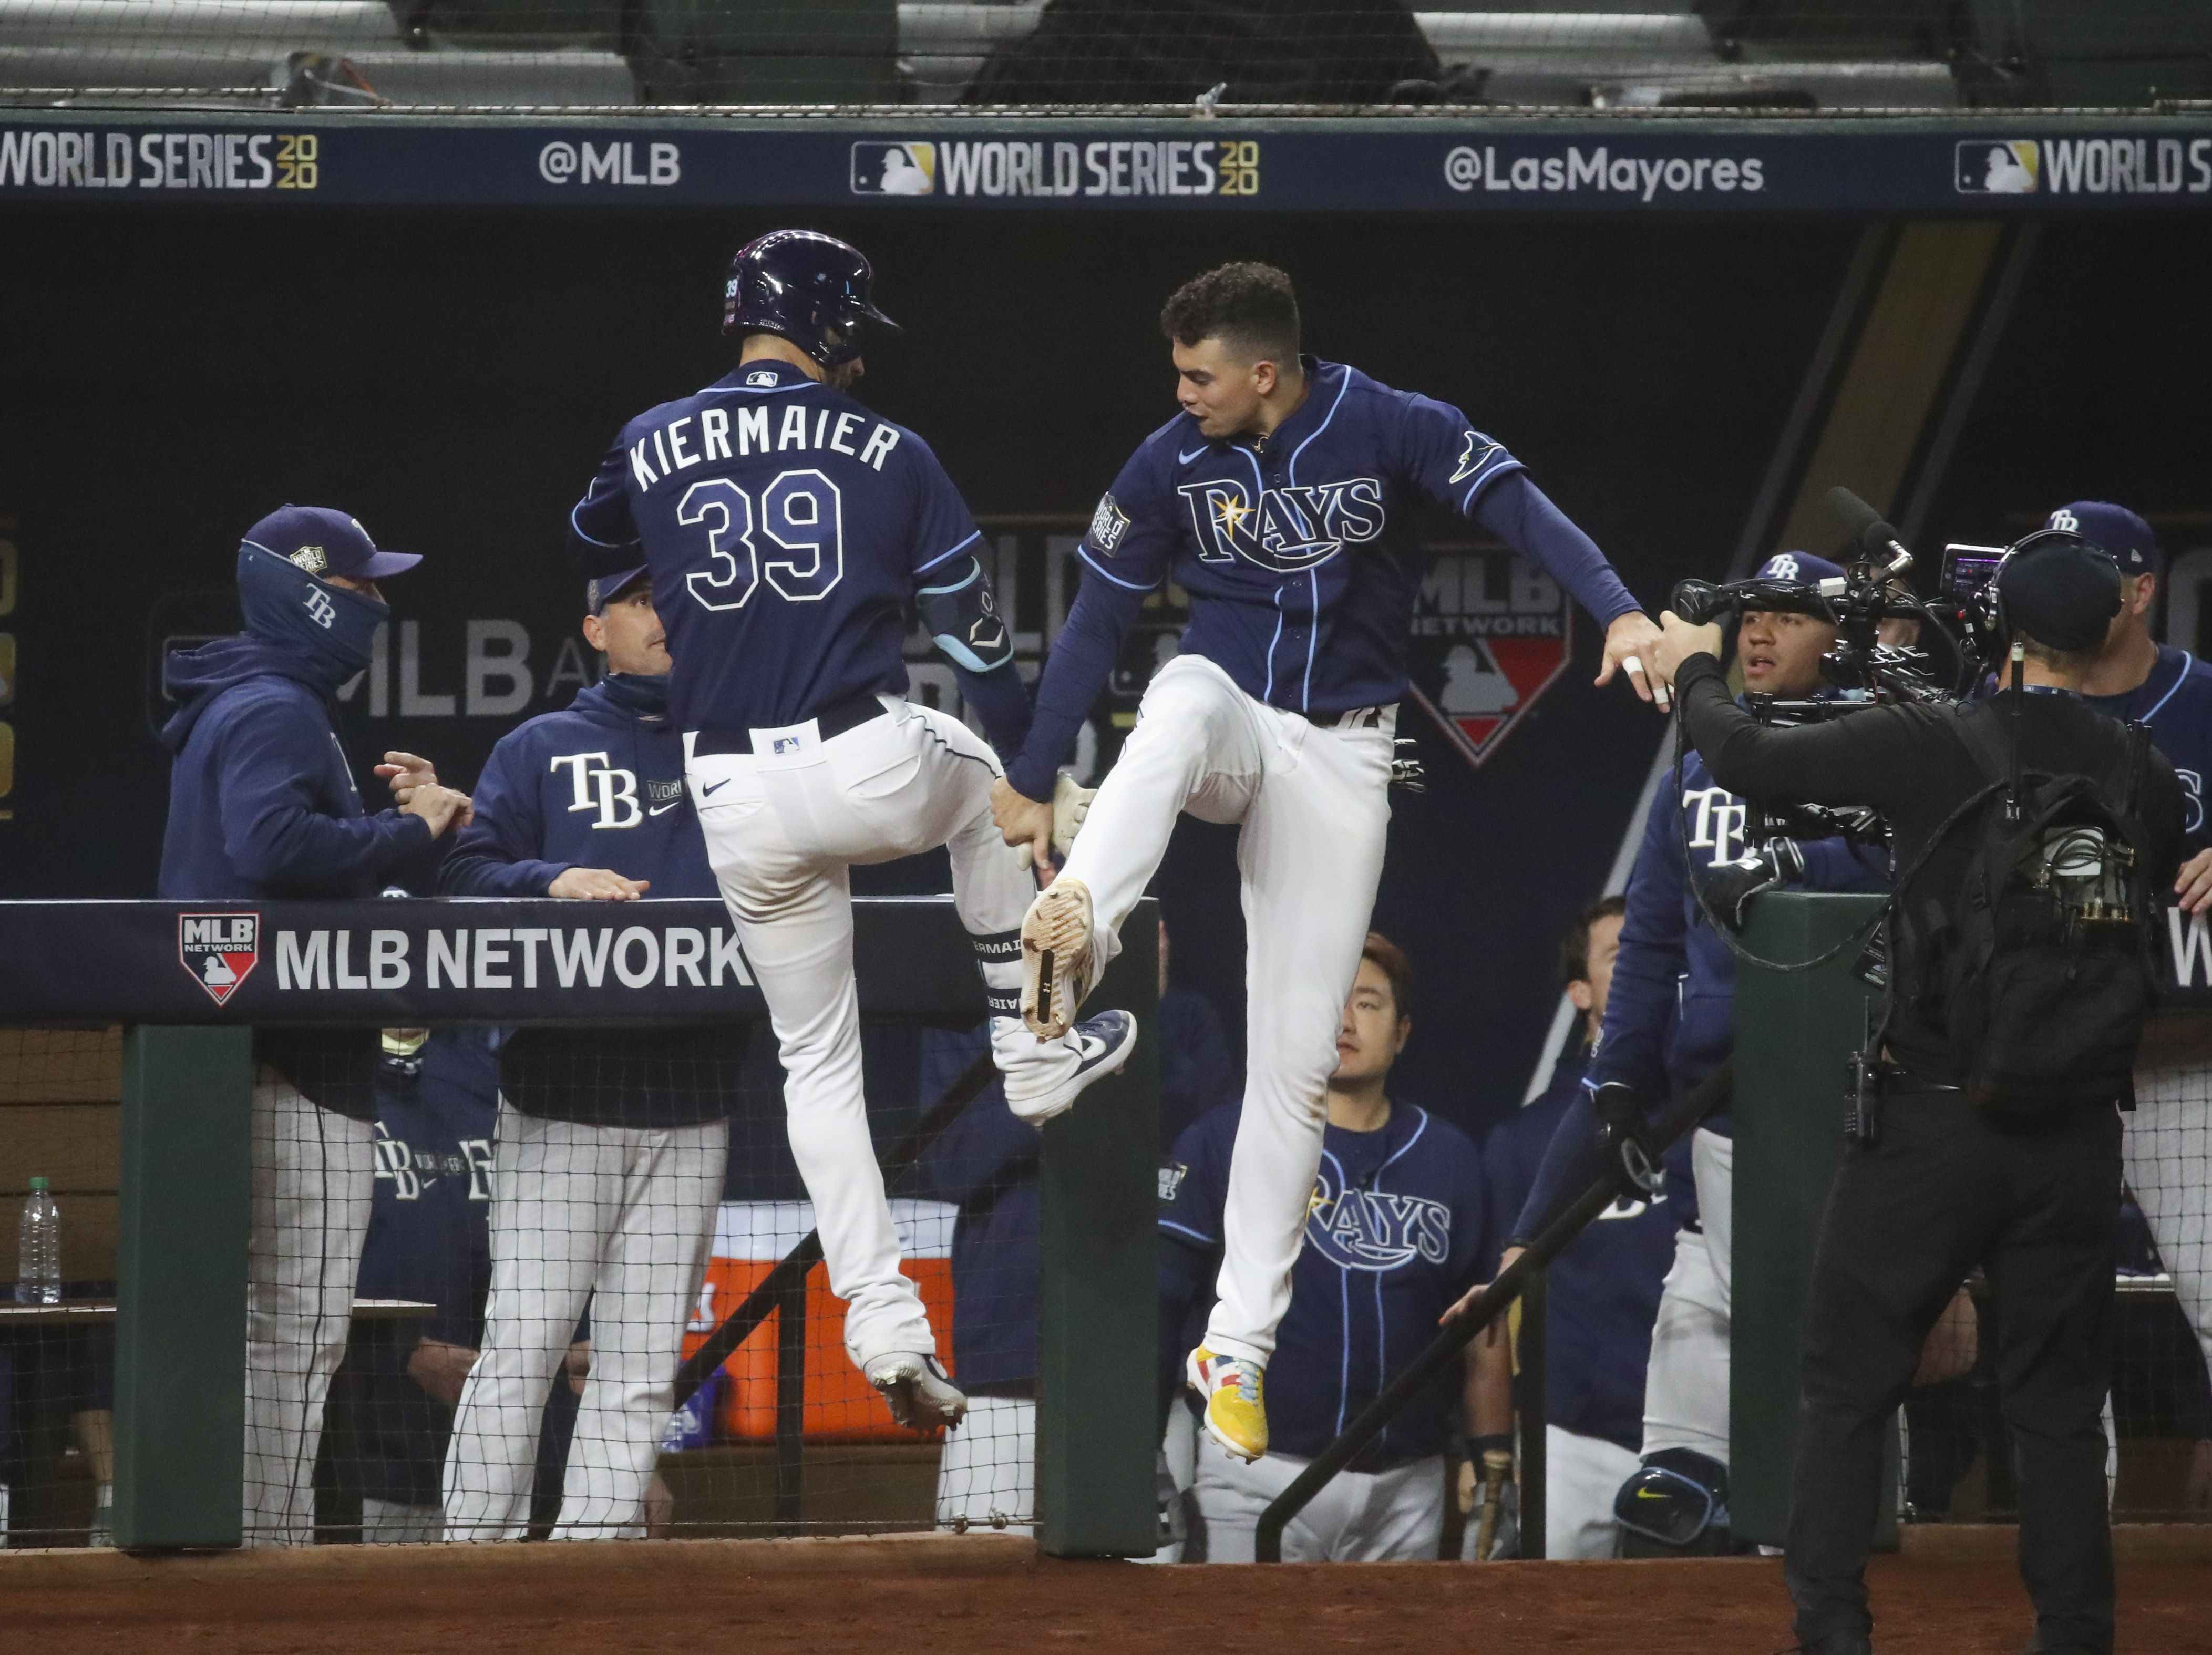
[483, 870]
[1865, 758]
[1083, 657]
[1001, 704]
[1487, 1394]
[1571, 1164]
[286, 844]
[1521, 514]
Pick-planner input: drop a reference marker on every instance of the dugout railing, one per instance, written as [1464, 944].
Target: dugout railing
[179, 1145]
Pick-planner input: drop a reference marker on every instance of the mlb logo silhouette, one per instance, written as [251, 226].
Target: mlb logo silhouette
[1997, 166]
[908, 168]
[219, 949]
[1493, 632]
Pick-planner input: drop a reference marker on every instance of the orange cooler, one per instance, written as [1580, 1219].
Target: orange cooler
[750, 1238]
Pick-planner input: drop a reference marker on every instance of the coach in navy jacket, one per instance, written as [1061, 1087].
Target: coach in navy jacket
[262, 804]
[612, 1144]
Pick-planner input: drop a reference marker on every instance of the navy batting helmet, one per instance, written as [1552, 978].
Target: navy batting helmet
[805, 287]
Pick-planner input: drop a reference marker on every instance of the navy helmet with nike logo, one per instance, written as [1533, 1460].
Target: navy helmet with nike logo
[805, 287]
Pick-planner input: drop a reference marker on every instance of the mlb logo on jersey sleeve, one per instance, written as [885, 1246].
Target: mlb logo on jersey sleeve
[219, 949]
[2004, 166]
[908, 168]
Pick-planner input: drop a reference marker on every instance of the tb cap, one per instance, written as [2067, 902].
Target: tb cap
[323, 541]
[603, 591]
[2125, 535]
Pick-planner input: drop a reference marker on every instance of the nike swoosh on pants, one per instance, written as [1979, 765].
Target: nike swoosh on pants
[711, 785]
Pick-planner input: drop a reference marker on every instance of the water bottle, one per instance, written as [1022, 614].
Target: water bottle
[38, 1249]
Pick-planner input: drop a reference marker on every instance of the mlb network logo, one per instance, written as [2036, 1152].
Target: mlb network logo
[219, 949]
[908, 168]
[2008, 166]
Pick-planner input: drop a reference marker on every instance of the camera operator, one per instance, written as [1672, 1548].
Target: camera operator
[1977, 1150]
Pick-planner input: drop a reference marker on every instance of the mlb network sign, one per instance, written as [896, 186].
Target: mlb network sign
[1017, 166]
[2142, 166]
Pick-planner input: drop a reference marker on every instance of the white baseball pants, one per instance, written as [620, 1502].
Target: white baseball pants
[388, 1523]
[2166, 1150]
[986, 1476]
[1314, 805]
[784, 823]
[1359, 1517]
[1582, 1477]
[314, 1180]
[618, 1217]
[1686, 1389]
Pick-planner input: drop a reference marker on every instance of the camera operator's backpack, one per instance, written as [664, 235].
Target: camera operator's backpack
[2050, 974]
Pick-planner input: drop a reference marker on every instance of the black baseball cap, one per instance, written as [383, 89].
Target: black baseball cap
[2060, 589]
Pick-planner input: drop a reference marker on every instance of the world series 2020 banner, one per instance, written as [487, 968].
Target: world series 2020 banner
[1980, 164]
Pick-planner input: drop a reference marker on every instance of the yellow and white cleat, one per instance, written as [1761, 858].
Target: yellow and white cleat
[1235, 1408]
[1059, 964]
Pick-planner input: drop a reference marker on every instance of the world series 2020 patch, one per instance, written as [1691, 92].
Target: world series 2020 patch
[1108, 525]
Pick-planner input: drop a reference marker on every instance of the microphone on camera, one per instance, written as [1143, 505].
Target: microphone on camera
[1874, 537]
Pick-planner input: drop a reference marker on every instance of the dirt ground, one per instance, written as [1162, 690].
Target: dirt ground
[995, 1597]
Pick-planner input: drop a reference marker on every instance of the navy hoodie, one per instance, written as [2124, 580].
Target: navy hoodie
[263, 804]
[599, 785]
[1670, 1015]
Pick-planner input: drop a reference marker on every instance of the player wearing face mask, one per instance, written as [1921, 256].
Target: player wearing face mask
[263, 804]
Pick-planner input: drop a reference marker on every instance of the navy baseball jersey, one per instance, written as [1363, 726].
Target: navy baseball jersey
[2176, 702]
[1300, 551]
[788, 529]
[1603, 1290]
[429, 1239]
[600, 785]
[1395, 1234]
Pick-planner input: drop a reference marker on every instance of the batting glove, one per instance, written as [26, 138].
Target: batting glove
[1070, 804]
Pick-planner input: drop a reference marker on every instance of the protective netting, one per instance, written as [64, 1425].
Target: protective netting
[58, 1092]
[466, 1314]
[1723, 54]
[1958, 1460]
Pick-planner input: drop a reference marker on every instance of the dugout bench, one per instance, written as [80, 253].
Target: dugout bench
[185, 1186]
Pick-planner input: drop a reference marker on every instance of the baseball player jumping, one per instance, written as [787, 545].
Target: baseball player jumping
[1284, 498]
[789, 530]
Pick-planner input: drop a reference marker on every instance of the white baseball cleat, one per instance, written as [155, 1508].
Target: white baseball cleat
[1059, 964]
[921, 1396]
[1102, 1044]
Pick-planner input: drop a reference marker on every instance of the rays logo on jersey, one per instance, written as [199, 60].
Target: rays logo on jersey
[612, 793]
[1357, 1229]
[1289, 528]
[1478, 453]
[1717, 819]
[1491, 633]
[908, 168]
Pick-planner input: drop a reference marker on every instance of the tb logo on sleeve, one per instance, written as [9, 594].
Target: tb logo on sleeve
[599, 787]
